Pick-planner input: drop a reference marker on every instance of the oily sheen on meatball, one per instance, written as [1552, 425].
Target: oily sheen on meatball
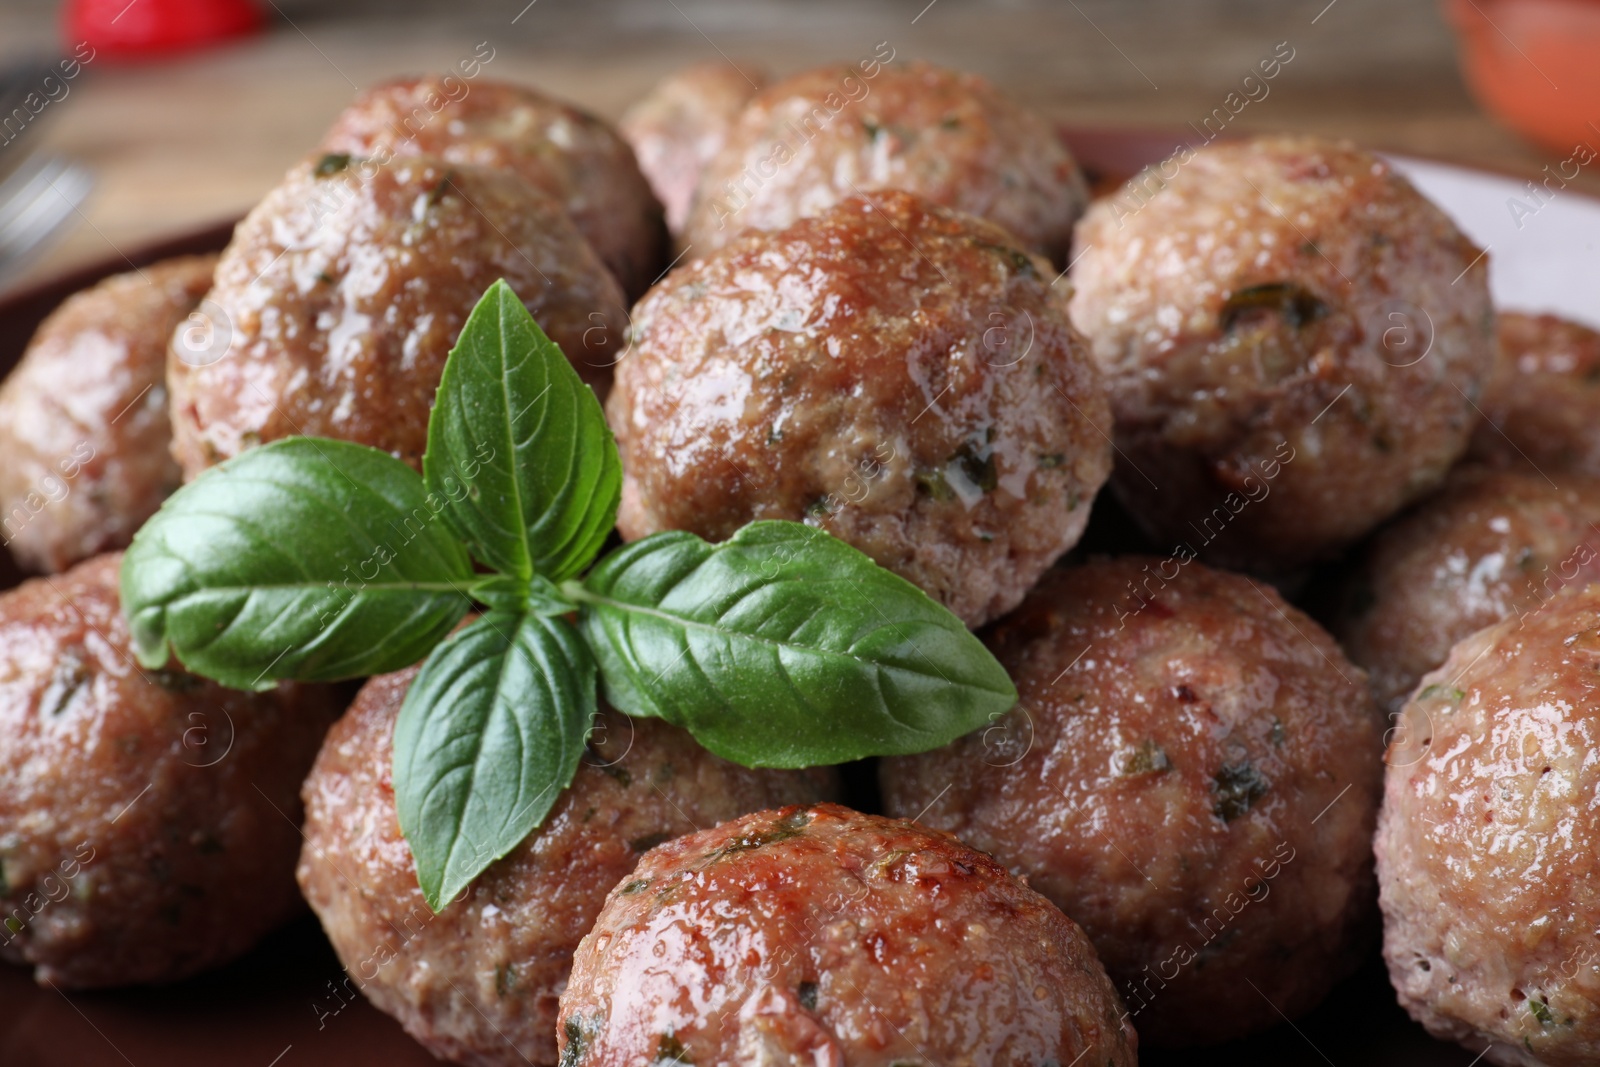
[149, 821]
[1191, 773]
[840, 131]
[898, 374]
[1490, 544]
[570, 155]
[824, 936]
[1293, 338]
[341, 294]
[1541, 404]
[477, 983]
[85, 437]
[1489, 842]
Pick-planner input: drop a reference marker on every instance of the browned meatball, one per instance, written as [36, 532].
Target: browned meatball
[896, 373]
[149, 821]
[681, 124]
[84, 433]
[836, 132]
[478, 982]
[1293, 337]
[823, 936]
[571, 155]
[343, 292]
[1192, 773]
[1489, 842]
[1542, 402]
[1490, 544]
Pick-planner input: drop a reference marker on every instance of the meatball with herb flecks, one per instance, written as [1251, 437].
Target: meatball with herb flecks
[477, 983]
[570, 155]
[823, 936]
[1489, 841]
[342, 293]
[805, 143]
[898, 374]
[149, 820]
[1191, 773]
[1293, 338]
[682, 123]
[85, 438]
[1541, 404]
[1490, 544]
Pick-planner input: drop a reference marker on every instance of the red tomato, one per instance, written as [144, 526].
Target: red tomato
[132, 28]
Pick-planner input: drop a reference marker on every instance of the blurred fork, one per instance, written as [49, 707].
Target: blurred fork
[39, 197]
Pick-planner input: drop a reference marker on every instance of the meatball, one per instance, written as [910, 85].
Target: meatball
[897, 373]
[1192, 773]
[1293, 339]
[343, 292]
[567, 153]
[478, 982]
[681, 125]
[1489, 842]
[84, 431]
[149, 821]
[823, 936]
[1542, 401]
[1490, 544]
[817, 138]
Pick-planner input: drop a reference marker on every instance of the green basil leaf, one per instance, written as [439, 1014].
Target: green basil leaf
[490, 733]
[539, 595]
[519, 449]
[306, 558]
[784, 647]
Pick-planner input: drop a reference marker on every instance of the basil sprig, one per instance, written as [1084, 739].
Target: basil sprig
[315, 560]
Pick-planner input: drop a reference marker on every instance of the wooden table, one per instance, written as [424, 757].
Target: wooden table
[201, 138]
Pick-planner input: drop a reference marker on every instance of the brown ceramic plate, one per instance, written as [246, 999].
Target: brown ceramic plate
[277, 1006]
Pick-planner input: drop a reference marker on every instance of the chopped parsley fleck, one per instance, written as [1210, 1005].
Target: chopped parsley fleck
[1445, 692]
[579, 1032]
[1148, 758]
[1297, 305]
[331, 164]
[1237, 787]
[1541, 1010]
[790, 825]
[670, 1050]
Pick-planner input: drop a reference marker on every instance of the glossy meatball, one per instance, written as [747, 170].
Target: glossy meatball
[1191, 773]
[823, 936]
[1490, 544]
[1489, 842]
[836, 132]
[1542, 402]
[149, 821]
[565, 152]
[478, 982]
[682, 123]
[84, 430]
[899, 374]
[1293, 338]
[344, 290]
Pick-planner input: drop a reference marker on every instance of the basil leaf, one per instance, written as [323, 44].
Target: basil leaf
[490, 733]
[518, 447]
[539, 595]
[784, 647]
[306, 558]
